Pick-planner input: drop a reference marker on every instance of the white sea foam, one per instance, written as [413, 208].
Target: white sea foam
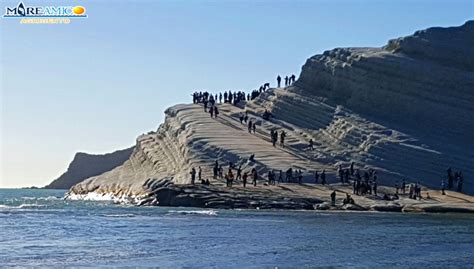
[119, 215]
[48, 198]
[94, 196]
[194, 212]
[30, 206]
[24, 206]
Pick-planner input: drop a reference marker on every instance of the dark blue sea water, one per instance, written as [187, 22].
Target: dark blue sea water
[39, 229]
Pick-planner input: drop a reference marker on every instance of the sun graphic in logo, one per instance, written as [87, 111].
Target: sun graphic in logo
[78, 10]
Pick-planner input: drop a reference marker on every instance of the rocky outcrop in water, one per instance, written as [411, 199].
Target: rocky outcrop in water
[404, 110]
[87, 165]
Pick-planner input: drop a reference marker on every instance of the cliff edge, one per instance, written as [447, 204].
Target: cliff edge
[87, 165]
[404, 110]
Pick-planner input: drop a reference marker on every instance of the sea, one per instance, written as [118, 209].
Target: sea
[38, 228]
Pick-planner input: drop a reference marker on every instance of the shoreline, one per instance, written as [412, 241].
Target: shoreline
[285, 196]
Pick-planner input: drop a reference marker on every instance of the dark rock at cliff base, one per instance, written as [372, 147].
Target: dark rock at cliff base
[86, 165]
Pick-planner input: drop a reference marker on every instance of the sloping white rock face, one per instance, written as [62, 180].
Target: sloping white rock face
[406, 110]
[421, 86]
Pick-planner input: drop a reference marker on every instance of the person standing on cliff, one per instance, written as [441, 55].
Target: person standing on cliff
[374, 187]
[250, 126]
[282, 138]
[193, 175]
[450, 178]
[211, 111]
[278, 80]
[239, 173]
[216, 112]
[254, 127]
[244, 179]
[460, 181]
[254, 177]
[221, 172]
[341, 173]
[333, 198]
[199, 173]
[292, 78]
[216, 169]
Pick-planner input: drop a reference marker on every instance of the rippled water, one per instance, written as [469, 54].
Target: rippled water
[38, 228]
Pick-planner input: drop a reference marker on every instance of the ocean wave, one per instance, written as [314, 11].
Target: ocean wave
[48, 198]
[194, 212]
[22, 206]
[119, 215]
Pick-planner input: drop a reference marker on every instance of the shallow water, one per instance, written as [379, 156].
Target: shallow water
[38, 228]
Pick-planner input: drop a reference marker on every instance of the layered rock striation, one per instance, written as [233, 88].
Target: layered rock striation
[404, 110]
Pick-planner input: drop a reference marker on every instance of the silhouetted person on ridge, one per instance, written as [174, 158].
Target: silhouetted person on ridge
[323, 177]
[193, 175]
[282, 138]
[460, 180]
[199, 173]
[333, 198]
[216, 112]
[254, 176]
[286, 81]
[293, 77]
[450, 178]
[216, 169]
[311, 144]
[341, 173]
[239, 173]
[211, 111]
[278, 81]
[244, 179]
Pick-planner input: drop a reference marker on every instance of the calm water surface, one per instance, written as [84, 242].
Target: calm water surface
[38, 228]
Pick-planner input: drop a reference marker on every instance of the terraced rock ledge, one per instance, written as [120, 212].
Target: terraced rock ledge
[404, 110]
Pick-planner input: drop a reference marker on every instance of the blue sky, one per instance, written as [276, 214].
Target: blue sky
[95, 84]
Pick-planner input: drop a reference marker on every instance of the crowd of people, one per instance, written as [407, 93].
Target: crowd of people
[234, 98]
[209, 99]
[363, 182]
